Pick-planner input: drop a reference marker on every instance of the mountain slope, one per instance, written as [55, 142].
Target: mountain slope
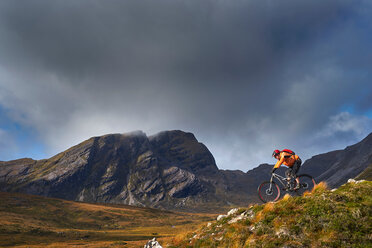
[323, 218]
[336, 167]
[36, 221]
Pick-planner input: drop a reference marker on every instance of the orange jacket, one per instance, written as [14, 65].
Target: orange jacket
[286, 159]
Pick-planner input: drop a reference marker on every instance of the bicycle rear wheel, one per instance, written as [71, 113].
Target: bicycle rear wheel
[307, 183]
[268, 192]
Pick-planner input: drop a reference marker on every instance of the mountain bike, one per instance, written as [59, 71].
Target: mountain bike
[270, 191]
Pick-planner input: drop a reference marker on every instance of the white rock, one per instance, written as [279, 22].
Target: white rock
[232, 211]
[333, 190]
[209, 224]
[360, 181]
[219, 239]
[282, 232]
[221, 217]
[351, 180]
[250, 214]
[237, 218]
[152, 244]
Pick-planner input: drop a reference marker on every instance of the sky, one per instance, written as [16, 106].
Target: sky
[246, 77]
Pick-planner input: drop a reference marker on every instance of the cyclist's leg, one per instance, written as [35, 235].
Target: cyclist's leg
[296, 168]
[288, 173]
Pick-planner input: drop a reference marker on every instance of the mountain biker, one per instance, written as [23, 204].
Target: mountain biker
[289, 159]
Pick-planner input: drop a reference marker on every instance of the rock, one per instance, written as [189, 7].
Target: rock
[220, 217]
[219, 238]
[351, 180]
[181, 183]
[152, 244]
[282, 232]
[360, 181]
[250, 214]
[232, 211]
[237, 218]
[209, 224]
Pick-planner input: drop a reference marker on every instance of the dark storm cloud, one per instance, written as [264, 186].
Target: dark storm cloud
[208, 40]
[232, 72]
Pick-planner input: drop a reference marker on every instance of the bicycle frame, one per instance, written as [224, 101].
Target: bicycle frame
[279, 178]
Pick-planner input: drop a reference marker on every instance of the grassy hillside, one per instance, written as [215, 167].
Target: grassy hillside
[323, 218]
[33, 221]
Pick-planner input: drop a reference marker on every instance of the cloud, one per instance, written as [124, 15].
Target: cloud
[244, 76]
[7, 145]
[347, 125]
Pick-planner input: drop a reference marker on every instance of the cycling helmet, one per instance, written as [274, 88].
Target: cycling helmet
[276, 152]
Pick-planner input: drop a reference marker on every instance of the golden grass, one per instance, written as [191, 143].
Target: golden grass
[259, 216]
[34, 221]
[268, 207]
[320, 186]
[286, 197]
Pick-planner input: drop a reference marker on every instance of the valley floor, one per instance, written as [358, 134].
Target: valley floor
[34, 221]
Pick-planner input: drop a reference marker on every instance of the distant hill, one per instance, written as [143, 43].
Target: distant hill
[336, 167]
[169, 170]
[323, 218]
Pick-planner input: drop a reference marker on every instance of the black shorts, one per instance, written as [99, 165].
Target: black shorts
[292, 171]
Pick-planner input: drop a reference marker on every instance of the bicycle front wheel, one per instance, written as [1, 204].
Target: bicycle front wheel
[268, 191]
[307, 183]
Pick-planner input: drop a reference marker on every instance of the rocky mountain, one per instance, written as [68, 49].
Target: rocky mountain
[170, 170]
[336, 167]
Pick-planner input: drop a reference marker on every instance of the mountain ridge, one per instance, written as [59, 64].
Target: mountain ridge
[158, 171]
[168, 170]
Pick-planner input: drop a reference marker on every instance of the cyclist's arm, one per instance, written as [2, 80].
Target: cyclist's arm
[279, 163]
